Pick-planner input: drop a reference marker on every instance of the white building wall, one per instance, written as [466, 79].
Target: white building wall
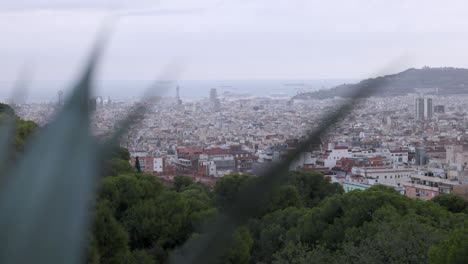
[335, 155]
[158, 165]
[390, 177]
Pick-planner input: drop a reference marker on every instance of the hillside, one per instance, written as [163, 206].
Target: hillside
[23, 132]
[447, 80]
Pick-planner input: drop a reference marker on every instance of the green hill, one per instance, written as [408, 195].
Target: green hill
[447, 80]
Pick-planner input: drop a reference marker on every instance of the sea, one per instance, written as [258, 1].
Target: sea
[47, 91]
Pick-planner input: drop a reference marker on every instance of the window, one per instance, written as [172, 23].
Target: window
[385, 177]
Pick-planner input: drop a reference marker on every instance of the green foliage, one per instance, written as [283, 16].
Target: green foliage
[273, 231]
[391, 238]
[375, 226]
[117, 166]
[199, 204]
[140, 257]
[453, 203]
[181, 181]
[285, 196]
[313, 187]
[23, 131]
[451, 251]
[121, 153]
[137, 164]
[111, 239]
[154, 219]
[228, 187]
[93, 254]
[6, 109]
[307, 220]
[199, 186]
[239, 251]
[162, 222]
[126, 190]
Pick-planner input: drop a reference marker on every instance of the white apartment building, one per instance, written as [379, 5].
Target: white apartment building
[394, 177]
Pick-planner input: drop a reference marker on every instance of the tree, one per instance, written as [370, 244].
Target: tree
[121, 153]
[110, 237]
[239, 252]
[123, 191]
[93, 254]
[377, 225]
[229, 187]
[451, 251]
[312, 187]
[453, 203]
[181, 181]
[24, 130]
[6, 109]
[284, 197]
[117, 166]
[198, 186]
[137, 164]
[161, 223]
[140, 257]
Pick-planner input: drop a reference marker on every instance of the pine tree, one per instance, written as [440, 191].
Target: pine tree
[137, 164]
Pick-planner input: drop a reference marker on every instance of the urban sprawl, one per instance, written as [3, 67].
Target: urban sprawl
[417, 144]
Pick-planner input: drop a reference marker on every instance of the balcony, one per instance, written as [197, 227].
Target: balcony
[421, 186]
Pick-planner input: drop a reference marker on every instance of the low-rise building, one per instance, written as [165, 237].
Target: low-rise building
[425, 186]
[351, 186]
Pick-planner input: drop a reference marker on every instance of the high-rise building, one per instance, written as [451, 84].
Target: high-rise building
[428, 109]
[178, 95]
[213, 95]
[217, 105]
[423, 109]
[419, 109]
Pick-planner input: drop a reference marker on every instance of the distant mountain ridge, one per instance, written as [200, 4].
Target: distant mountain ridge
[445, 80]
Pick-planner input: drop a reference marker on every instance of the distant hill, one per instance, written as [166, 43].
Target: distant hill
[447, 80]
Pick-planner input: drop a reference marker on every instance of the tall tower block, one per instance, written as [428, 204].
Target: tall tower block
[178, 95]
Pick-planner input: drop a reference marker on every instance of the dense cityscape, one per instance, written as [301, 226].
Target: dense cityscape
[416, 144]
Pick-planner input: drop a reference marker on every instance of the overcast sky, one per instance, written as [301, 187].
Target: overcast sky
[237, 39]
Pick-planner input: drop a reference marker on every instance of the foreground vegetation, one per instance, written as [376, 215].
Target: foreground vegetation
[22, 130]
[138, 220]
